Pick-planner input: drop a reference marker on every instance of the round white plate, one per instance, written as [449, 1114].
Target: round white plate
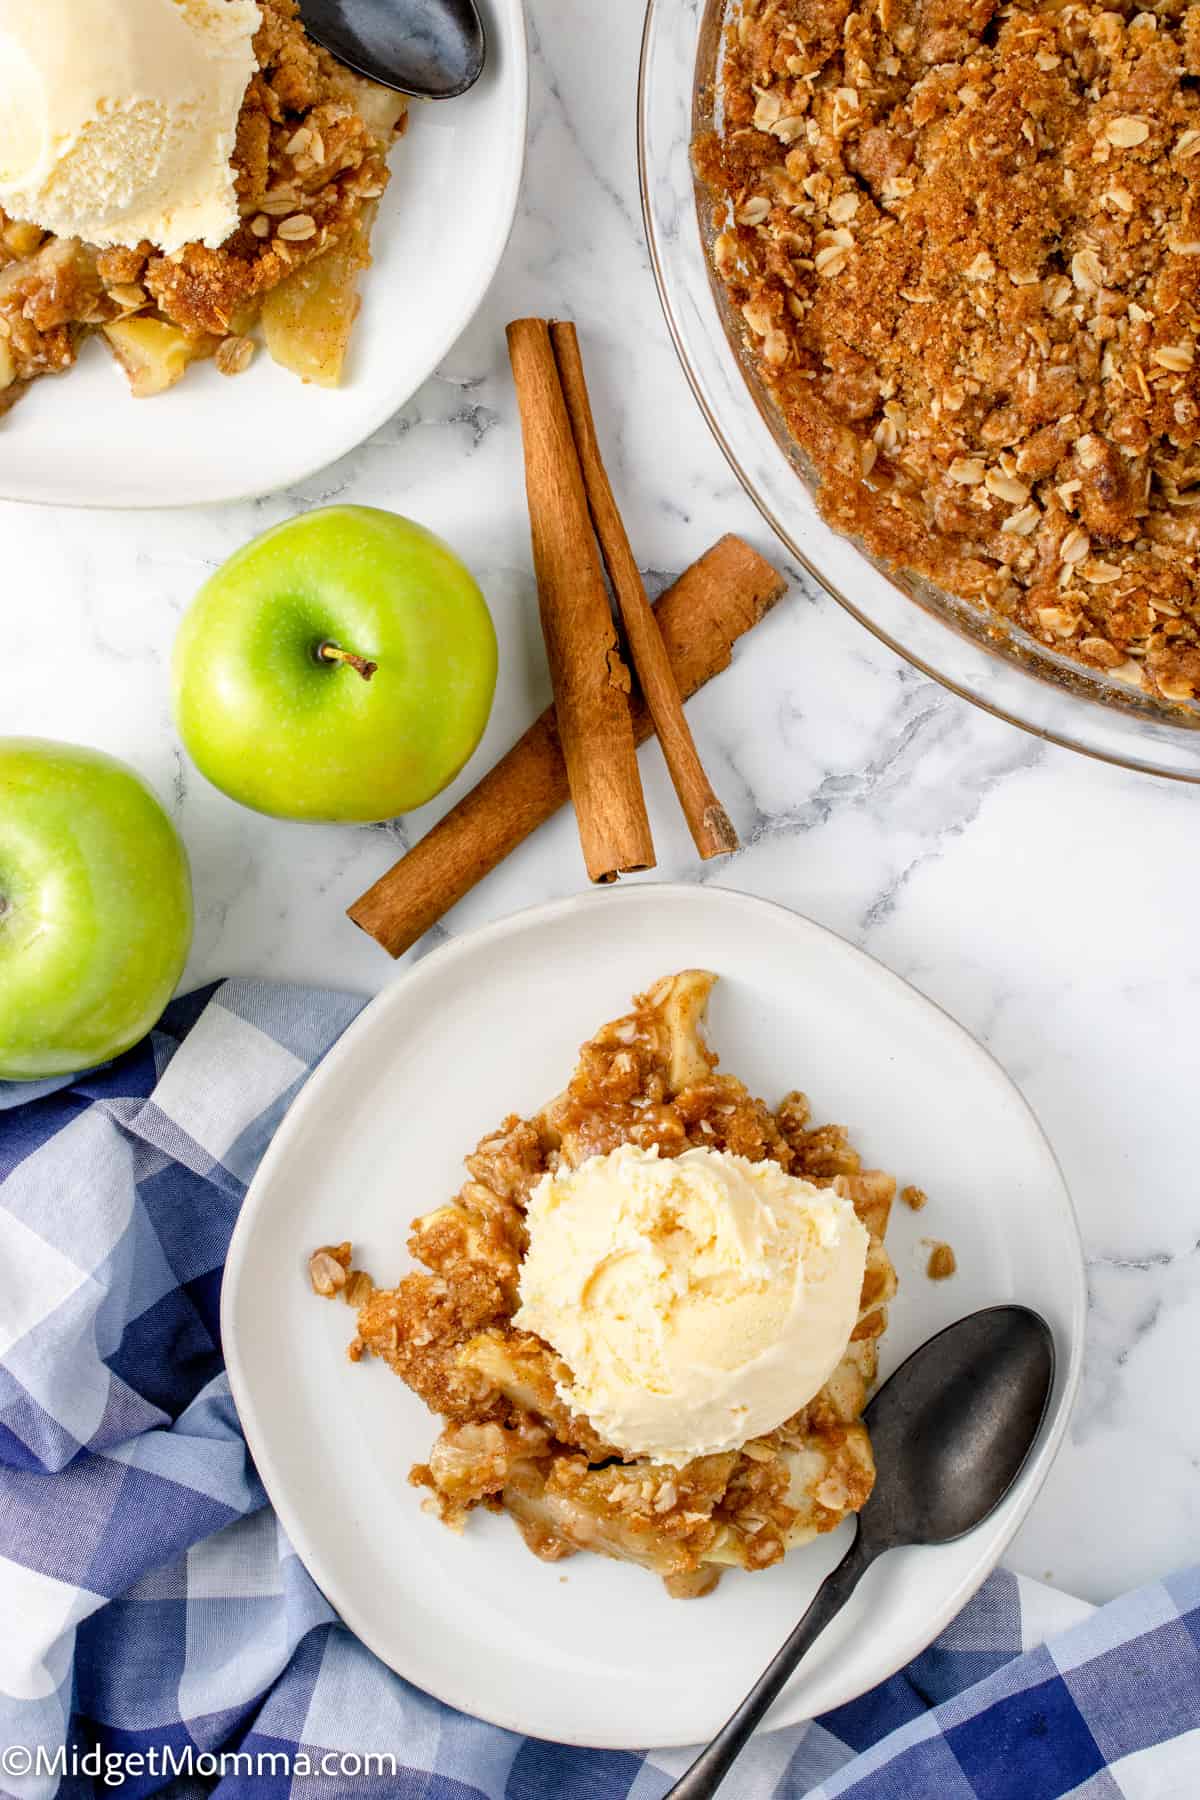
[589, 1651]
[80, 440]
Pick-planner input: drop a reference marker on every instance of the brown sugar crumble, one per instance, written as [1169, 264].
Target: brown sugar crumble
[942, 1263]
[964, 240]
[914, 1198]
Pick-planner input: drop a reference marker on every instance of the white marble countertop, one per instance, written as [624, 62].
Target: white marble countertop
[1040, 897]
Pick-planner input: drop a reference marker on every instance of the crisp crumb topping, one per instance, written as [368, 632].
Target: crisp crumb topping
[964, 242]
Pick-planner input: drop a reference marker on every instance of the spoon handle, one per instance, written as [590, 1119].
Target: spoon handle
[712, 1765]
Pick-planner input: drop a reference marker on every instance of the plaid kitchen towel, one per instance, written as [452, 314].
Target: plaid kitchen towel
[154, 1618]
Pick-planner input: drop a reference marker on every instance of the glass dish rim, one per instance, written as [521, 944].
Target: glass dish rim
[1080, 706]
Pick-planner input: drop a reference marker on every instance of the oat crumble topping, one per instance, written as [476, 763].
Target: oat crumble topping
[965, 243]
[942, 1262]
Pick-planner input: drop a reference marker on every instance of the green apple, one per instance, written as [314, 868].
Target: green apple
[341, 666]
[95, 908]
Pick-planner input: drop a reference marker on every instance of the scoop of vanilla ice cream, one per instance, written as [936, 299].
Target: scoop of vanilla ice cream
[118, 117]
[698, 1300]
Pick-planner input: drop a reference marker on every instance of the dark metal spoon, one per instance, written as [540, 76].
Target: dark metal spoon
[431, 48]
[951, 1431]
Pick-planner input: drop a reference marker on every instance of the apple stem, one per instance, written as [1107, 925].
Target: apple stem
[333, 653]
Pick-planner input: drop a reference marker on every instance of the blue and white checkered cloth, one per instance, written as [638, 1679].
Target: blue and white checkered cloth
[151, 1606]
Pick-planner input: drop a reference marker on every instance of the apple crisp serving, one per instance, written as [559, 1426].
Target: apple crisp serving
[310, 162]
[510, 1441]
[964, 240]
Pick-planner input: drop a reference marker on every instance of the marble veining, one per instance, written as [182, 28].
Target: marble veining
[1045, 900]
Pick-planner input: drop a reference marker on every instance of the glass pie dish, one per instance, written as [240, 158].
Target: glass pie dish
[975, 653]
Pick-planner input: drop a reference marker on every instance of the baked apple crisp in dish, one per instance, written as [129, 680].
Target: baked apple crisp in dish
[650, 1318]
[962, 243]
[306, 168]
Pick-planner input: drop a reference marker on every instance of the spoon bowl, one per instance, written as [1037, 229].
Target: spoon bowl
[951, 1430]
[432, 49]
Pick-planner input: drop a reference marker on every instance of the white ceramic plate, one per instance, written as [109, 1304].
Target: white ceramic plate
[589, 1651]
[442, 228]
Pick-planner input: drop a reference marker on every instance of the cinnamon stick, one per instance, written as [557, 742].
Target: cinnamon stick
[701, 617]
[709, 823]
[591, 683]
